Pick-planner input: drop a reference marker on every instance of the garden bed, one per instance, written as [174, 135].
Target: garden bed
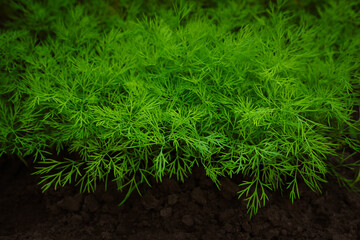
[261, 97]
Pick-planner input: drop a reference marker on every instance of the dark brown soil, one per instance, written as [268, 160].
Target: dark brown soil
[169, 210]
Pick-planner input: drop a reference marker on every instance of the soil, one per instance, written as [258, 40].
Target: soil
[195, 209]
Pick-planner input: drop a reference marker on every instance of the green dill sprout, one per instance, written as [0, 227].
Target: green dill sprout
[126, 91]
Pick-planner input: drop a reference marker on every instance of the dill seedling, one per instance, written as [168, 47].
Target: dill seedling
[126, 91]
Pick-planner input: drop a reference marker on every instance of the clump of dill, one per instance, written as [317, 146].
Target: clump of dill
[128, 90]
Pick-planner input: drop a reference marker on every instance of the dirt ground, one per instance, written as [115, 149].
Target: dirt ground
[169, 210]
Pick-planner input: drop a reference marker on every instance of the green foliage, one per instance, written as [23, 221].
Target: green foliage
[128, 90]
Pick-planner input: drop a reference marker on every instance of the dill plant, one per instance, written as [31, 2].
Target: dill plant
[125, 91]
